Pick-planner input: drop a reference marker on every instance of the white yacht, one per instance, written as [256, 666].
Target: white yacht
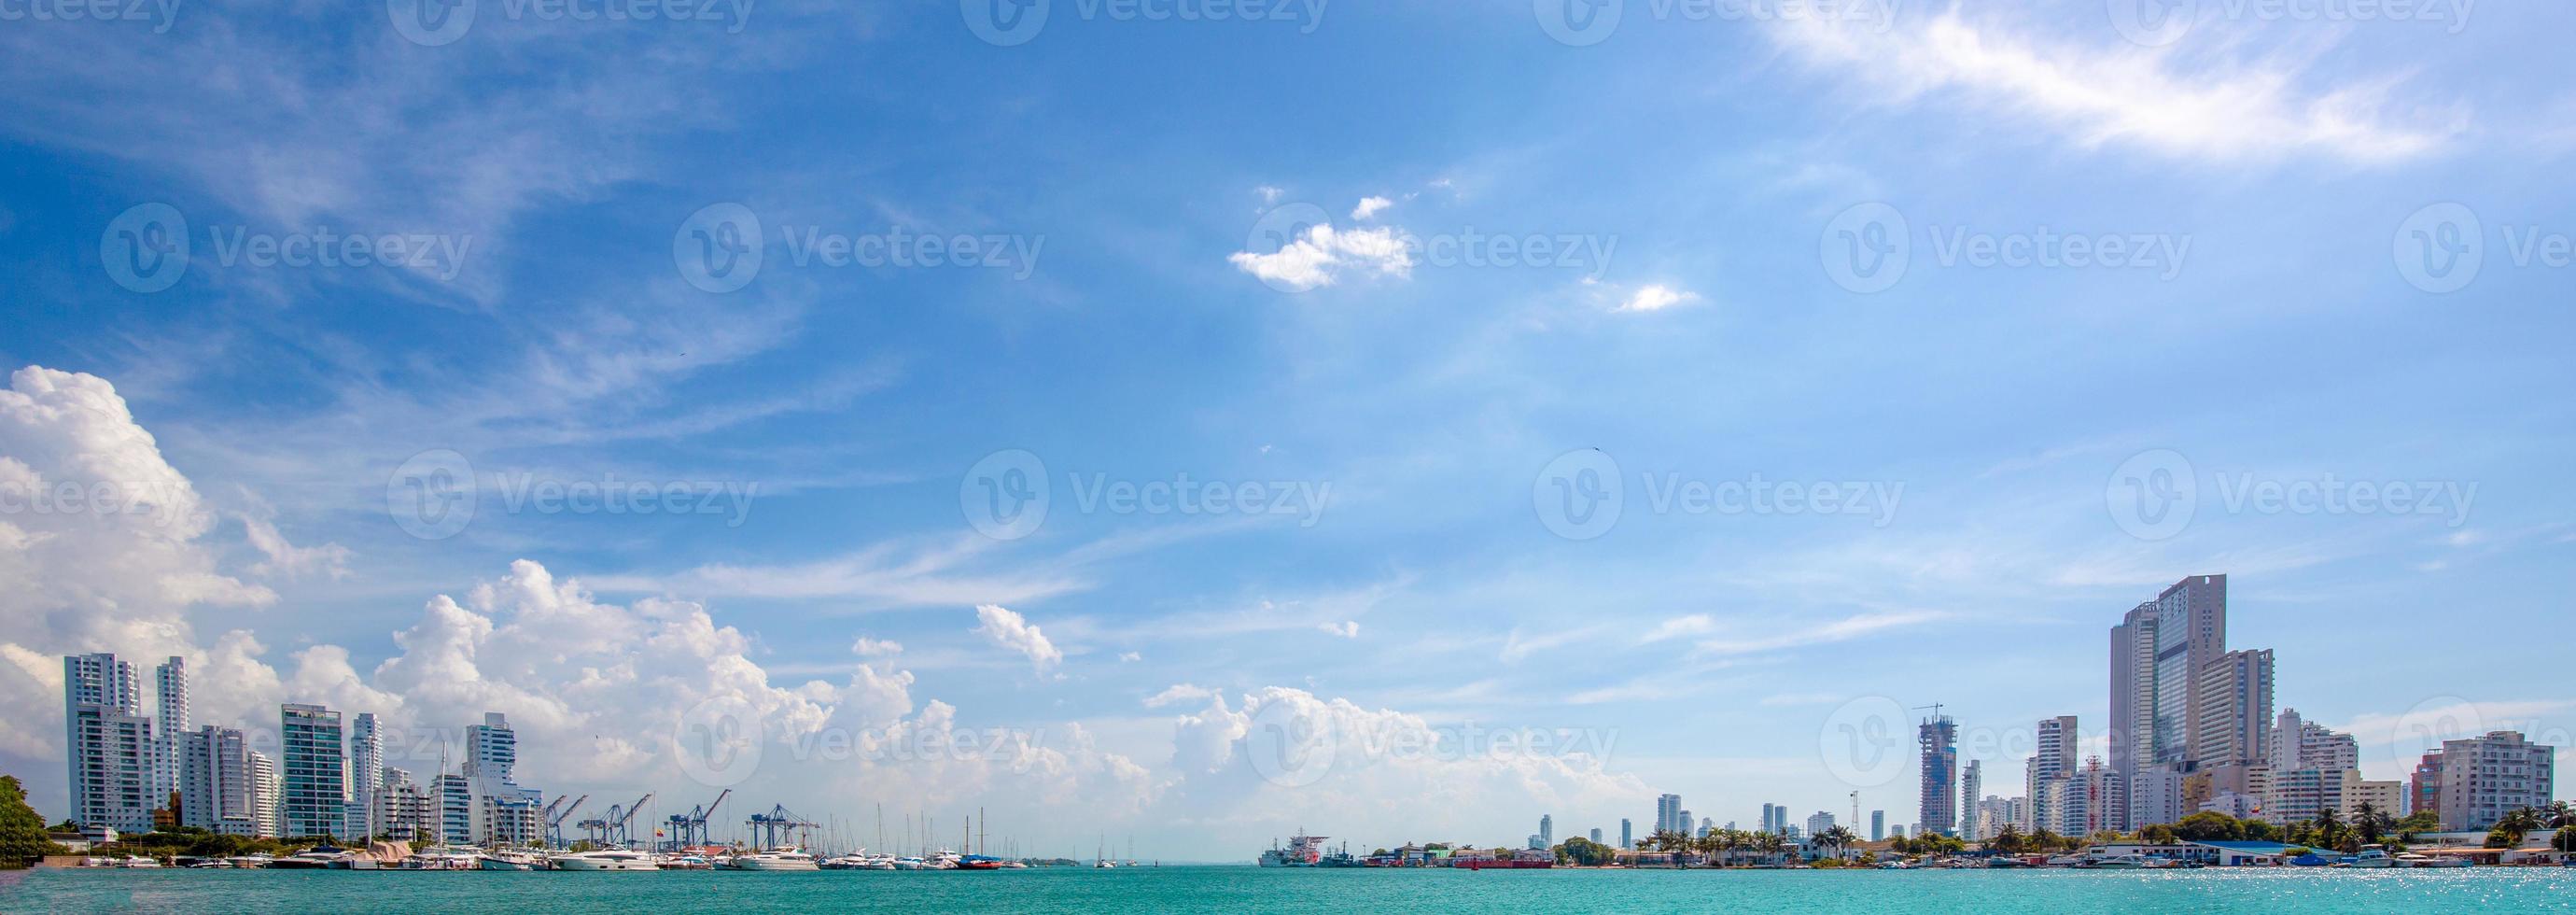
[615, 859]
[2373, 856]
[910, 863]
[509, 861]
[776, 859]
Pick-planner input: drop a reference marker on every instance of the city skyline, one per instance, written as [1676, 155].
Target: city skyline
[1550, 447]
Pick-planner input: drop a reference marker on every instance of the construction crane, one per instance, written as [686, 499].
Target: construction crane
[688, 829]
[555, 819]
[615, 828]
[768, 826]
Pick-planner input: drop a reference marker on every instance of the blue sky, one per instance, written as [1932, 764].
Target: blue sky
[1166, 309]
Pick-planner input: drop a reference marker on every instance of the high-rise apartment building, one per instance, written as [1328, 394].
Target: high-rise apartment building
[366, 775]
[1627, 834]
[2157, 653]
[2483, 778]
[1878, 825]
[169, 722]
[114, 761]
[1546, 831]
[1939, 739]
[218, 785]
[1971, 787]
[2301, 744]
[2054, 760]
[315, 792]
[2235, 715]
[1668, 810]
[268, 790]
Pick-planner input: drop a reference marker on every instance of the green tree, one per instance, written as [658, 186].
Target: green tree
[2515, 824]
[2008, 840]
[2210, 826]
[2372, 822]
[22, 832]
[1837, 839]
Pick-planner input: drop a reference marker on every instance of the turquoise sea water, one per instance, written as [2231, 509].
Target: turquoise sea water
[1249, 889]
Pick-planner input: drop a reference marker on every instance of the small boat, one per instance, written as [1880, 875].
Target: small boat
[316, 858]
[776, 859]
[509, 861]
[2121, 862]
[614, 859]
[910, 863]
[854, 861]
[2373, 856]
[249, 861]
[687, 862]
[138, 861]
[979, 863]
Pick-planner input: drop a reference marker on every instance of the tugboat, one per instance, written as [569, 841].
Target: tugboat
[1302, 851]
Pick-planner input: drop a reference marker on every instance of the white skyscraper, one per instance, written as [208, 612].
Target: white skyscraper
[366, 775]
[169, 721]
[114, 763]
[218, 782]
[267, 789]
[1546, 831]
[1668, 808]
[1971, 788]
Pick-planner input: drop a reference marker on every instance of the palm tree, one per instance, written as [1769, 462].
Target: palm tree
[1728, 842]
[1838, 838]
[2372, 822]
[2518, 823]
[2560, 814]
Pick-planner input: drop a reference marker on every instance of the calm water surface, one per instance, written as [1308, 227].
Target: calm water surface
[1249, 889]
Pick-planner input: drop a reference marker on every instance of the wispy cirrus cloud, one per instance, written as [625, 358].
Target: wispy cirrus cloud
[2104, 92]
